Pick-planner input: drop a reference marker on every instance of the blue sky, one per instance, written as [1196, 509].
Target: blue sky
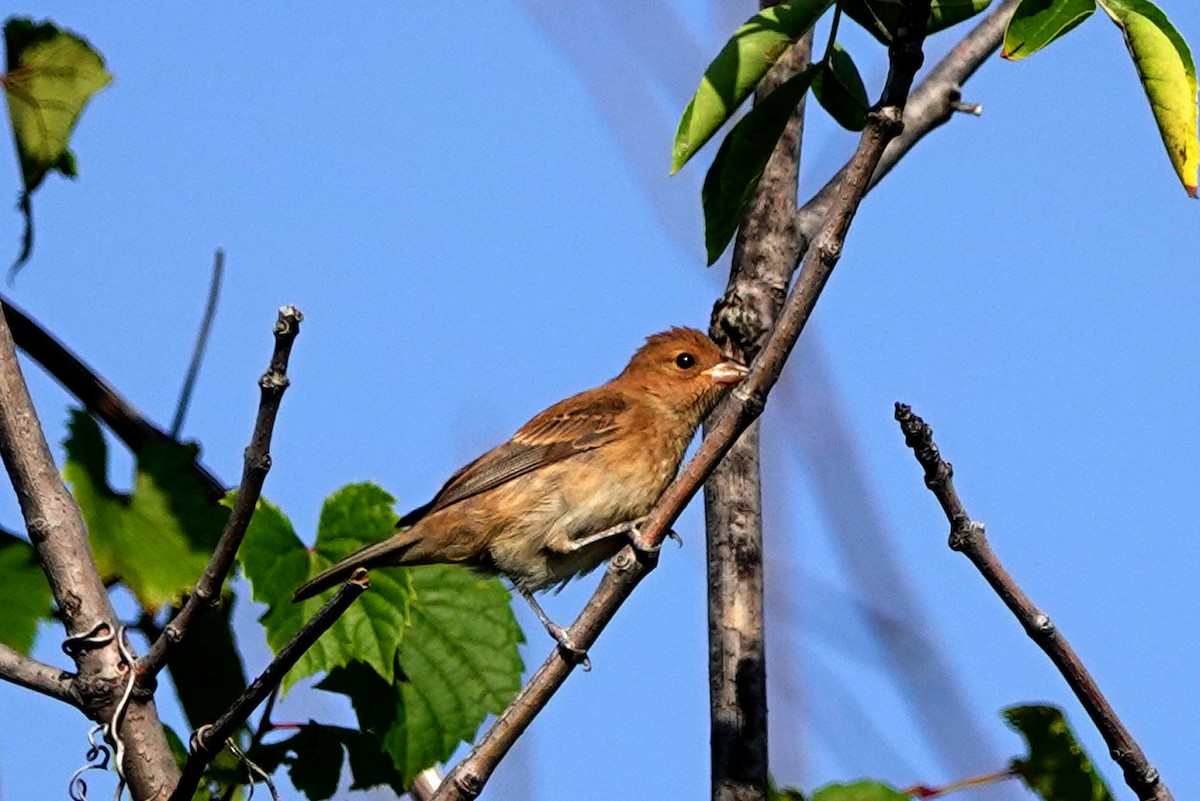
[472, 208]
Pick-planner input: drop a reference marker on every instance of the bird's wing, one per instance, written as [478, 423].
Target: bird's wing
[573, 426]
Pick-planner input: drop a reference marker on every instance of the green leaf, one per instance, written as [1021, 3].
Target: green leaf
[1056, 768]
[737, 69]
[276, 562]
[859, 791]
[24, 593]
[882, 17]
[457, 663]
[1164, 64]
[839, 89]
[741, 159]
[156, 540]
[51, 75]
[314, 757]
[1037, 23]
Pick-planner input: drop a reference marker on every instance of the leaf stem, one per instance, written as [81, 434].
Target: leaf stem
[833, 30]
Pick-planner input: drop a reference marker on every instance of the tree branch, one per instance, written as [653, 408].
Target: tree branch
[932, 104]
[765, 255]
[208, 741]
[254, 472]
[742, 407]
[31, 674]
[97, 396]
[57, 533]
[967, 536]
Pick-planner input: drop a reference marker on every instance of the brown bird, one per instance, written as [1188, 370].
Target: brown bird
[567, 491]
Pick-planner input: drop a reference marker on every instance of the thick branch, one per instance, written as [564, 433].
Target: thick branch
[734, 415]
[968, 536]
[208, 741]
[932, 104]
[57, 532]
[254, 472]
[765, 255]
[31, 674]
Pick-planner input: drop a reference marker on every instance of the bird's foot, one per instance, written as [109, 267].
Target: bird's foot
[640, 543]
[570, 651]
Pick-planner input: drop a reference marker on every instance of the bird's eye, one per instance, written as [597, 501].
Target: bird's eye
[685, 361]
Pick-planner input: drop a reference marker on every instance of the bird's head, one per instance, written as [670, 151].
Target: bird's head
[684, 370]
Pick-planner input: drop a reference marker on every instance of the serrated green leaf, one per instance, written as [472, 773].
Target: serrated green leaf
[882, 17]
[738, 166]
[52, 73]
[314, 756]
[24, 593]
[1037, 23]
[839, 89]
[458, 662]
[276, 562]
[737, 69]
[1057, 768]
[1168, 74]
[156, 540]
[859, 791]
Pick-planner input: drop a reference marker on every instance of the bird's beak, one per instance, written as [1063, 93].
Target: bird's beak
[727, 372]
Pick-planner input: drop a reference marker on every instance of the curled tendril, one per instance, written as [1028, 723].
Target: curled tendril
[99, 754]
[252, 770]
[97, 758]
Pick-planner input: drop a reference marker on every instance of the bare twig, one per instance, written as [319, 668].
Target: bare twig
[967, 536]
[97, 396]
[31, 674]
[254, 472]
[765, 255]
[207, 741]
[734, 415]
[210, 312]
[57, 533]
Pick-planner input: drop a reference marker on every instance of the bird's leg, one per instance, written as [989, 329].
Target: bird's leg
[631, 528]
[556, 631]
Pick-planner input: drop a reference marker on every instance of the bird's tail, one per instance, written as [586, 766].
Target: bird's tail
[384, 552]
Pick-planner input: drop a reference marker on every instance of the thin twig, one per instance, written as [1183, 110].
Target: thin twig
[207, 741]
[967, 535]
[210, 312]
[924, 791]
[254, 472]
[933, 103]
[735, 414]
[27, 672]
[96, 395]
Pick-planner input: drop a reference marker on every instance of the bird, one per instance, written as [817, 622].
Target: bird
[570, 487]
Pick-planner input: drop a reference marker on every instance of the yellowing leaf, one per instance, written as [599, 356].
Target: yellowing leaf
[737, 69]
[51, 74]
[1164, 64]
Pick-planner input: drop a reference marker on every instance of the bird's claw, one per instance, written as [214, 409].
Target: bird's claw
[571, 652]
[640, 543]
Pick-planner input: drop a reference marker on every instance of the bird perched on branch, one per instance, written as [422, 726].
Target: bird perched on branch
[566, 492]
